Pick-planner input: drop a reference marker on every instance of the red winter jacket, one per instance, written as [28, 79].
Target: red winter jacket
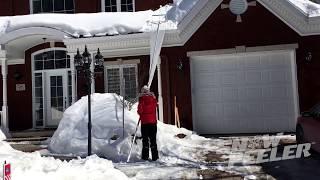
[147, 109]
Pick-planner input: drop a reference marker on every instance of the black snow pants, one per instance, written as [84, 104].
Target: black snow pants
[149, 133]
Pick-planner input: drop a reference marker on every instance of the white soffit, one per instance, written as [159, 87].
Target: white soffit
[293, 17]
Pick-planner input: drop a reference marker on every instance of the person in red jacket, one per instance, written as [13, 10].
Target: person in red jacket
[147, 111]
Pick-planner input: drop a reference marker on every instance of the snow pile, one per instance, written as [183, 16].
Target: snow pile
[99, 24]
[107, 140]
[33, 166]
[2, 136]
[308, 7]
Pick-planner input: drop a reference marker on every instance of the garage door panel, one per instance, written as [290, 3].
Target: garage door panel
[243, 94]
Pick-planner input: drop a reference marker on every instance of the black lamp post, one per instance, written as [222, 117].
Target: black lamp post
[83, 64]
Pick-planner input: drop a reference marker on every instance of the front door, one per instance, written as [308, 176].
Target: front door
[56, 96]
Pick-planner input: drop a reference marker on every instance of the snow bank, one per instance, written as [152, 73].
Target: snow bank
[107, 140]
[308, 7]
[2, 136]
[33, 166]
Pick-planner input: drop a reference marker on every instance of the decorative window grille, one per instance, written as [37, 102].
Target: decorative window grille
[122, 80]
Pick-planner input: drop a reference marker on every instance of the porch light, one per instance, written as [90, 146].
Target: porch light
[83, 64]
[98, 59]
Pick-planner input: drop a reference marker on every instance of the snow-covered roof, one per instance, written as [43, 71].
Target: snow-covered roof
[183, 18]
[100, 24]
[307, 7]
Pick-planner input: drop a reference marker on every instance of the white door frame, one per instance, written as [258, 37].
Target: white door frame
[47, 89]
[43, 72]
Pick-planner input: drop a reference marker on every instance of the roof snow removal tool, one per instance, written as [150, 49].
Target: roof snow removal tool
[6, 171]
[238, 7]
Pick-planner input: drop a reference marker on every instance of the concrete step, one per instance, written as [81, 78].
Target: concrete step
[32, 133]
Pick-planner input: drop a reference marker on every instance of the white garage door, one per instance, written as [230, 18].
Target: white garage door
[244, 93]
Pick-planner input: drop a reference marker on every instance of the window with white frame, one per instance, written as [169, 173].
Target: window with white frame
[117, 5]
[51, 6]
[122, 80]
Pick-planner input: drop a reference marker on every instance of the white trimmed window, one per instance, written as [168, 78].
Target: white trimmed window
[51, 6]
[122, 80]
[117, 5]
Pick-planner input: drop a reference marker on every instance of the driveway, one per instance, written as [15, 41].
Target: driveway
[295, 169]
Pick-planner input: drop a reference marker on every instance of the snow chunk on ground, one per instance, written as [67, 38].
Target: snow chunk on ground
[107, 140]
[33, 166]
[308, 7]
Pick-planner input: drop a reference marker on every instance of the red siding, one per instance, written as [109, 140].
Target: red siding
[259, 28]
[150, 4]
[22, 7]
[20, 103]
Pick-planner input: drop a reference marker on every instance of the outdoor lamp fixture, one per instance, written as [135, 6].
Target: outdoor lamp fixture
[83, 63]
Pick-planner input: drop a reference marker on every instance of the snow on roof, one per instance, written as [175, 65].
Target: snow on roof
[100, 24]
[307, 7]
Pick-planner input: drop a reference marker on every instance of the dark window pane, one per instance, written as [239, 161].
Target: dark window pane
[53, 92]
[107, 2]
[38, 81]
[54, 102]
[59, 80]
[114, 8]
[49, 64]
[38, 92]
[60, 64]
[60, 101]
[124, 8]
[108, 9]
[60, 91]
[58, 5]
[53, 81]
[69, 4]
[50, 55]
[38, 65]
[130, 8]
[123, 2]
[47, 5]
[36, 6]
[38, 57]
[129, 2]
[114, 2]
[60, 54]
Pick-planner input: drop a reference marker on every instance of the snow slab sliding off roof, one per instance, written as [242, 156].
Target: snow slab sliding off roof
[101, 24]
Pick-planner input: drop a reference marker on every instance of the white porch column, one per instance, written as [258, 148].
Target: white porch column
[93, 90]
[4, 71]
[73, 78]
[160, 100]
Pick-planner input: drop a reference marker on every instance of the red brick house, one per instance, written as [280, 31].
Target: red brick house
[221, 76]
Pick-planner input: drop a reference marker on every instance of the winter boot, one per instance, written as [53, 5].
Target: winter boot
[154, 152]
[145, 153]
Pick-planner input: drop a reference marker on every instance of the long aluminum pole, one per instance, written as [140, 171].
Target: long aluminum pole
[123, 101]
[89, 110]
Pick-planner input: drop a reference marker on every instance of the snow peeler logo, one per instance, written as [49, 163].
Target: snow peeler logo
[262, 149]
